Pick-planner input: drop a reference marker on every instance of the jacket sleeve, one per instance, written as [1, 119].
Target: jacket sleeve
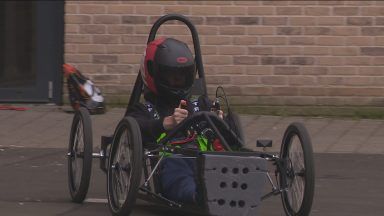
[150, 128]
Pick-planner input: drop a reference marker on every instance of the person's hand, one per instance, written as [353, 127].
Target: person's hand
[216, 108]
[220, 113]
[178, 115]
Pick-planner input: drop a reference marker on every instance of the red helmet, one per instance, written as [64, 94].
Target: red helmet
[168, 69]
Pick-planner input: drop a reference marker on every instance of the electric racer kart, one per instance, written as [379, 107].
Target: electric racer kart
[231, 182]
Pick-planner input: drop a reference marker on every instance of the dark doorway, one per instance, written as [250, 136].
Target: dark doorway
[31, 54]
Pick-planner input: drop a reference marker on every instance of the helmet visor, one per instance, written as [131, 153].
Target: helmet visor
[176, 77]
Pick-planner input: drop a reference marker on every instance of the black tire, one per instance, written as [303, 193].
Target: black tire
[124, 167]
[299, 175]
[233, 121]
[80, 155]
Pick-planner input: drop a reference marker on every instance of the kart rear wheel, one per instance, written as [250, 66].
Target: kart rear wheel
[80, 155]
[233, 120]
[124, 167]
[298, 174]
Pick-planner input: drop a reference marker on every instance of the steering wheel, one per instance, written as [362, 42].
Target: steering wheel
[207, 124]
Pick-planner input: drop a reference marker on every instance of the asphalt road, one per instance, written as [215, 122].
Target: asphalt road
[33, 181]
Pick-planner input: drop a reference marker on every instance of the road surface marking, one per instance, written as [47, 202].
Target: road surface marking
[95, 200]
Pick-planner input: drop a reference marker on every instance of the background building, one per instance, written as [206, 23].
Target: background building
[31, 51]
[262, 52]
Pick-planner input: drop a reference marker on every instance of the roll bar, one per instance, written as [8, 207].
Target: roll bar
[138, 87]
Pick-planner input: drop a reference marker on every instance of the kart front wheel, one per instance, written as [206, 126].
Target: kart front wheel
[233, 120]
[80, 155]
[297, 174]
[124, 167]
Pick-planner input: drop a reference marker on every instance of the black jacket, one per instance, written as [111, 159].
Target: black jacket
[150, 115]
[150, 127]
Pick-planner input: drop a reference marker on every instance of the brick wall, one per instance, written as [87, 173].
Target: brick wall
[262, 52]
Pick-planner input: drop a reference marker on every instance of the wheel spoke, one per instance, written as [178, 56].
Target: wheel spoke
[296, 174]
[116, 187]
[121, 170]
[301, 173]
[120, 187]
[125, 162]
[77, 155]
[80, 155]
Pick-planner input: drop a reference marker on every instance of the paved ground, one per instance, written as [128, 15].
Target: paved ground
[49, 126]
[33, 180]
[34, 183]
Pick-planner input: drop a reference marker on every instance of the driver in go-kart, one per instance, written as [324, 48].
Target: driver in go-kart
[168, 72]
